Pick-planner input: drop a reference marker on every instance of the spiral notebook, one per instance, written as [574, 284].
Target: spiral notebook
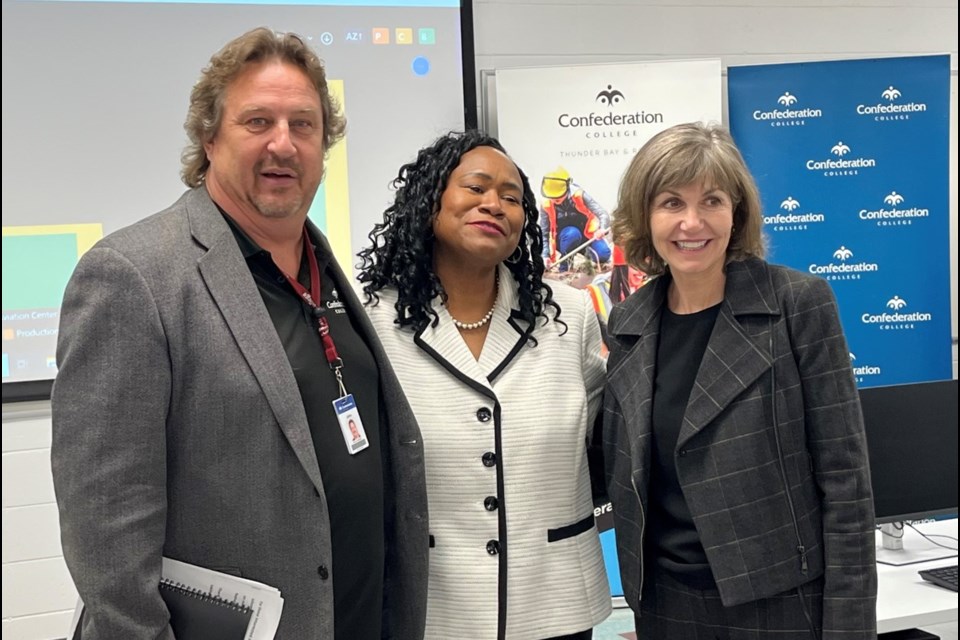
[209, 605]
[195, 615]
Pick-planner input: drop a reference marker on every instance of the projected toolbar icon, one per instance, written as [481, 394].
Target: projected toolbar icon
[420, 66]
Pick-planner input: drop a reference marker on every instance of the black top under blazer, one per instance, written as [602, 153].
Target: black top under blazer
[779, 491]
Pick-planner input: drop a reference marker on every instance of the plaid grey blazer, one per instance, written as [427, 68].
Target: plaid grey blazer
[779, 491]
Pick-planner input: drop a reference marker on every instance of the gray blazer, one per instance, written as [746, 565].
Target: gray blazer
[178, 430]
[779, 492]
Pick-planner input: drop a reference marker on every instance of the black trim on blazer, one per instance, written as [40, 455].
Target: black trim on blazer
[571, 530]
[459, 375]
[501, 527]
[498, 449]
[446, 364]
[433, 541]
[524, 336]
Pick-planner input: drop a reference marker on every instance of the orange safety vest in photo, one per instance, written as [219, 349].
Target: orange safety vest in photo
[591, 223]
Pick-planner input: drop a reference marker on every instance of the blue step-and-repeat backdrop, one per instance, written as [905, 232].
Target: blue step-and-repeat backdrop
[851, 158]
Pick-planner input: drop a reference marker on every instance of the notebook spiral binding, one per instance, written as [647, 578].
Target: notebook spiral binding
[202, 596]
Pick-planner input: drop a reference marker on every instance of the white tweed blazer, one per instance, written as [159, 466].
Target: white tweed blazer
[515, 553]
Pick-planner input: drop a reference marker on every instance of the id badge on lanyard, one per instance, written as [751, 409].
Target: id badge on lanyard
[345, 408]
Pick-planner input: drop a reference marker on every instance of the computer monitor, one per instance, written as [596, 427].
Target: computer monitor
[912, 441]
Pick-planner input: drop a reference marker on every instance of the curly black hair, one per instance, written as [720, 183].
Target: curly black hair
[401, 253]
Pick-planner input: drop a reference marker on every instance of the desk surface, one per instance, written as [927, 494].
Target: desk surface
[904, 599]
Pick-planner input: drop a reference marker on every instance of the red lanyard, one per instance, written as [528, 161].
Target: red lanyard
[312, 298]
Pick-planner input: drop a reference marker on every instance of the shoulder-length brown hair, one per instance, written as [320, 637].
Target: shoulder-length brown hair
[676, 157]
[206, 99]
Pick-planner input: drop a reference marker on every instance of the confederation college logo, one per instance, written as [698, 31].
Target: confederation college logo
[787, 116]
[787, 100]
[791, 217]
[840, 149]
[862, 371]
[890, 107]
[610, 96]
[841, 164]
[336, 304]
[844, 267]
[896, 303]
[898, 316]
[604, 125]
[891, 214]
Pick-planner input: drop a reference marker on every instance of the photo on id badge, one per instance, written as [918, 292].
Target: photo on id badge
[350, 424]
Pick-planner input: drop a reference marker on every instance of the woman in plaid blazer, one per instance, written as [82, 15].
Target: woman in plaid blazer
[734, 444]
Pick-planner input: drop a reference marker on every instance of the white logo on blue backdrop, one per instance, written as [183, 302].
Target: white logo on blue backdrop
[862, 371]
[841, 166]
[894, 216]
[787, 117]
[896, 303]
[845, 269]
[792, 220]
[899, 317]
[840, 149]
[892, 110]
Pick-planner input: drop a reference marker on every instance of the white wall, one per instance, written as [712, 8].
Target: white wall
[38, 595]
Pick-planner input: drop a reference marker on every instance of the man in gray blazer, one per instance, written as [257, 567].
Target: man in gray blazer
[211, 359]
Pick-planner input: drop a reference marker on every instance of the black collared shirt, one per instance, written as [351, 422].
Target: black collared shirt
[352, 484]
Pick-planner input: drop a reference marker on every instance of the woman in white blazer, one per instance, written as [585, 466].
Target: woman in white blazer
[505, 387]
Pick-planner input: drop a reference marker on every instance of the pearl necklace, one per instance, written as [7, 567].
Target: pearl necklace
[468, 326]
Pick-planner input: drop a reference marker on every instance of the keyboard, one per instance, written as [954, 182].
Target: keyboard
[946, 577]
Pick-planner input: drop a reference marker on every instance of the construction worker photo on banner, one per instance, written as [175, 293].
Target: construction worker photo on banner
[573, 224]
